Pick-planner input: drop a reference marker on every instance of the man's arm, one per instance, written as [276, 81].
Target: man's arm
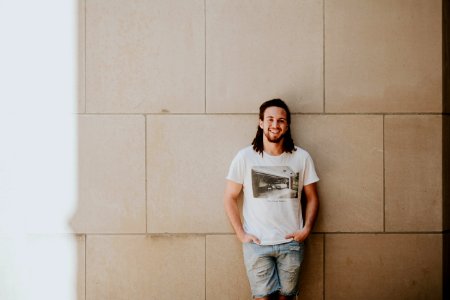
[312, 208]
[232, 191]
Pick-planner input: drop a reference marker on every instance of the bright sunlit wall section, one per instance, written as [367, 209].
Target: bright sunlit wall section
[38, 75]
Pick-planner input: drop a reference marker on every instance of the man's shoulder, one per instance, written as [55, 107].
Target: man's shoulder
[246, 151]
[300, 152]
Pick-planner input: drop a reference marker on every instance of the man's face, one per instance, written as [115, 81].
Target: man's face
[274, 124]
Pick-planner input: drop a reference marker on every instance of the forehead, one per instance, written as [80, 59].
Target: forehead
[275, 112]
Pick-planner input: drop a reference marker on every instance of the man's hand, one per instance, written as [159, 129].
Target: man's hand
[312, 207]
[299, 236]
[231, 196]
[249, 238]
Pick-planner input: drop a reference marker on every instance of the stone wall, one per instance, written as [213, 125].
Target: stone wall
[170, 92]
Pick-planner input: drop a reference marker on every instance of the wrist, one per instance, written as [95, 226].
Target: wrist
[307, 228]
[240, 235]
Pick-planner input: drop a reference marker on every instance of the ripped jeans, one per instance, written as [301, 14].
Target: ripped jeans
[272, 268]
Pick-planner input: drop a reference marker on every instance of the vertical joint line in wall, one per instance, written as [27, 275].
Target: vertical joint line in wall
[384, 177]
[204, 16]
[323, 266]
[323, 54]
[85, 266]
[85, 54]
[145, 173]
[205, 263]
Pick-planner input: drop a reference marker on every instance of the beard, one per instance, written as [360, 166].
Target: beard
[274, 140]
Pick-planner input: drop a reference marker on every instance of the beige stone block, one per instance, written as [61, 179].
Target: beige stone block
[262, 49]
[413, 173]
[111, 175]
[187, 161]
[81, 266]
[446, 172]
[446, 57]
[81, 103]
[145, 267]
[226, 277]
[348, 155]
[383, 266]
[383, 56]
[145, 56]
[446, 264]
[311, 275]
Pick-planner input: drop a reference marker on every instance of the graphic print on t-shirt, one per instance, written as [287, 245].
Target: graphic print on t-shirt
[274, 182]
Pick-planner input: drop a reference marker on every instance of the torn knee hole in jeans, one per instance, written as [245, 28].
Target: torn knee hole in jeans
[262, 272]
[292, 276]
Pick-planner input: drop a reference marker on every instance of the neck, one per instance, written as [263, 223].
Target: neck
[273, 149]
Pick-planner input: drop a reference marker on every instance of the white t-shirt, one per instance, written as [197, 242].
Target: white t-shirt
[272, 188]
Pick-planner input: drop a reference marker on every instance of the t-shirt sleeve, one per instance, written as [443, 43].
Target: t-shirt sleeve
[310, 175]
[236, 172]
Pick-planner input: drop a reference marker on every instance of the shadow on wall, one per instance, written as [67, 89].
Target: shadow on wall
[446, 144]
[38, 252]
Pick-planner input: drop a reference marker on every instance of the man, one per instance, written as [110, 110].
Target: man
[272, 173]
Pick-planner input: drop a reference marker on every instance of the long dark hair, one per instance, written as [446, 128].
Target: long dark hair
[288, 143]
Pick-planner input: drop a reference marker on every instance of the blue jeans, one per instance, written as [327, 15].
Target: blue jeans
[272, 268]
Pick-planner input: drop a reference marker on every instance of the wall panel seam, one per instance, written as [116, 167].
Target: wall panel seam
[85, 54]
[323, 267]
[204, 16]
[196, 234]
[380, 232]
[384, 179]
[85, 266]
[145, 172]
[323, 55]
[255, 113]
[205, 266]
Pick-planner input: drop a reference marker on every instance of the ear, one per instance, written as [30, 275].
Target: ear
[261, 124]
